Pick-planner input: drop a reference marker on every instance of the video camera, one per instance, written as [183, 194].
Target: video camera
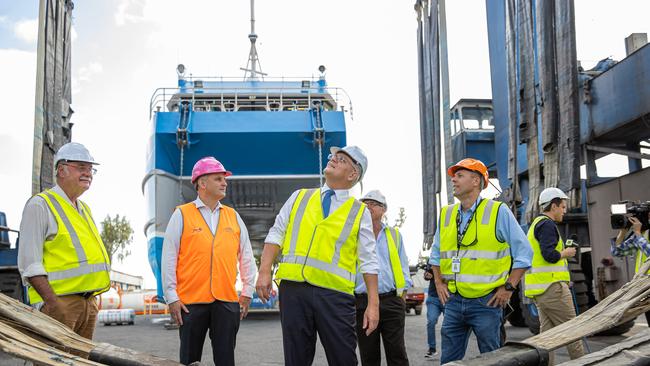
[625, 209]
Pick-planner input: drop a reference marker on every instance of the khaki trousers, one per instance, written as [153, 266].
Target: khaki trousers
[555, 307]
[77, 312]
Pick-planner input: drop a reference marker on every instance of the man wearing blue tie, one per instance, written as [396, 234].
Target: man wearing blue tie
[394, 279]
[325, 237]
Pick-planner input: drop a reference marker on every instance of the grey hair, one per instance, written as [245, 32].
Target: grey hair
[196, 182]
[480, 178]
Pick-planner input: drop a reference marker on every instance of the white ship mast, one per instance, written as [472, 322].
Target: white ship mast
[253, 67]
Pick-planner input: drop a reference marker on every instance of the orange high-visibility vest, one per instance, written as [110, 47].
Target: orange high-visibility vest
[207, 264]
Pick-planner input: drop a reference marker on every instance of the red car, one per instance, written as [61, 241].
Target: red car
[414, 299]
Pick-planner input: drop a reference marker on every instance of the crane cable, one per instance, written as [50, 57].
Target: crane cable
[180, 175]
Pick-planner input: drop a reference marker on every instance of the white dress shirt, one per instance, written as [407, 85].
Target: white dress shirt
[37, 225]
[172, 243]
[366, 248]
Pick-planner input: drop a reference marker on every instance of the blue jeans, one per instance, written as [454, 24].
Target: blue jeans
[434, 309]
[464, 315]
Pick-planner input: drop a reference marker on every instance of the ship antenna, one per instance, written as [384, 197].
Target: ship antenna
[253, 67]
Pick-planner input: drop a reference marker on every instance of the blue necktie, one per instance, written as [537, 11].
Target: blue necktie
[327, 201]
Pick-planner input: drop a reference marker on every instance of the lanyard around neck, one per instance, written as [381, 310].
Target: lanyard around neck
[461, 232]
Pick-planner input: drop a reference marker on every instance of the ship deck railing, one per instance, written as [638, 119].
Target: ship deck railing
[233, 98]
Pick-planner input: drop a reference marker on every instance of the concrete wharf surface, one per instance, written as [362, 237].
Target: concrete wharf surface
[259, 341]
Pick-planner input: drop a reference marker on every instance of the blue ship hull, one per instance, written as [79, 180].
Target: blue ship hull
[274, 137]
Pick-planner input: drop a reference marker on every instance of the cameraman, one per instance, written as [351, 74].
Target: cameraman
[630, 242]
[434, 309]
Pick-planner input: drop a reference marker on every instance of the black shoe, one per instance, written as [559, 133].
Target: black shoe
[431, 353]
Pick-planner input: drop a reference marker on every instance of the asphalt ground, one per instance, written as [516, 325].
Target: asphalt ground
[259, 341]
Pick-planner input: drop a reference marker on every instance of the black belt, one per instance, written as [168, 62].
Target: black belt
[381, 296]
[86, 295]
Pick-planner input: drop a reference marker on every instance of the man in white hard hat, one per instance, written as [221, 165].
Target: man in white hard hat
[547, 281]
[323, 234]
[61, 256]
[394, 279]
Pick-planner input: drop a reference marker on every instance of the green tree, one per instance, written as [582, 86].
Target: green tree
[117, 236]
[399, 221]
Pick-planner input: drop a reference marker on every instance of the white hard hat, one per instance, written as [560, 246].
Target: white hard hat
[74, 151]
[375, 195]
[549, 194]
[356, 154]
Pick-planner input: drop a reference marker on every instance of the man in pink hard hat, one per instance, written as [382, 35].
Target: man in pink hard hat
[204, 245]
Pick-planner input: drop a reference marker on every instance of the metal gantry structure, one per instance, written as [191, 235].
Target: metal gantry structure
[547, 120]
[52, 120]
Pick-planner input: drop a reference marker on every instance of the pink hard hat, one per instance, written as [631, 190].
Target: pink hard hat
[208, 165]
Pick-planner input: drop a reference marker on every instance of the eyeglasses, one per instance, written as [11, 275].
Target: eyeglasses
[373, 203]
[342, 159]
[82, 168]
[337, 158]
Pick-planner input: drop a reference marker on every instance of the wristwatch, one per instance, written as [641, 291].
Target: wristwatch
[510, 287]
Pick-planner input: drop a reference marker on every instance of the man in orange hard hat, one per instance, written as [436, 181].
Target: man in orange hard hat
[204, 242]
[475, 245]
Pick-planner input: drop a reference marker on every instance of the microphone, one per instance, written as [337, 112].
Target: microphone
[572, 241]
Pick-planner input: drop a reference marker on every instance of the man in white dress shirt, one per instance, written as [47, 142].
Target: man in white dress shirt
[322, 235]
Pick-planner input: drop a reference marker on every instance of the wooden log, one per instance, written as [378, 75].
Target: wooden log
[17, 344]
[632, 351]
[512, 354]
[621, 306]
[29, 334]
[117, 356]
[25, 317]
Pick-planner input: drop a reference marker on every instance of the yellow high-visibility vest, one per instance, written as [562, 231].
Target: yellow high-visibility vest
[321, 251]
[640, 256]
[484, 259]
[394, 245]
[75, 259]
[542, 273]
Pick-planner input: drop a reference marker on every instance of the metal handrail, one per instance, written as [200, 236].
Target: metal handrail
[239, 78]
[162, 96]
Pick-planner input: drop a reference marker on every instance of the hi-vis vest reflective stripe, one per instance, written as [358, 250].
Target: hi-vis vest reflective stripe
[484, 260]
[542, 273]
[75, 259]
[640, 256]
[321, 251]
[207, 264]
[394, 244]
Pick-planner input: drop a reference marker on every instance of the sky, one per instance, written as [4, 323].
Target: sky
[124, 49]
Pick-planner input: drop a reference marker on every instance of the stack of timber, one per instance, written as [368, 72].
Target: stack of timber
[621, 306]
[30, 335]
[632, 351]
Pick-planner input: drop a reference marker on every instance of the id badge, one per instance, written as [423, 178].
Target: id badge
[455, 264]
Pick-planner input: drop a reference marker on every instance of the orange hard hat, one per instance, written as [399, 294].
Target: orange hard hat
[473, 165]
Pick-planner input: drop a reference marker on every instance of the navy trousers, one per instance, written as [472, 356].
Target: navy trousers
[307, 311]
[390, 330]
[222, 319]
